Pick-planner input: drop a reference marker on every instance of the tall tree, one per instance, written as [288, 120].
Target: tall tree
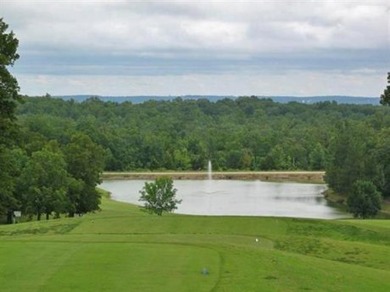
[85, 161]
[353, 158]
[9, 88]
[385, 97]
[8, 98]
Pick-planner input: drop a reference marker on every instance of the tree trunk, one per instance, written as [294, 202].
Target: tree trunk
[10, 217]
[39, 216]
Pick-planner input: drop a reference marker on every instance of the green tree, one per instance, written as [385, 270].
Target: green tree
[382, 152]
[181, 159]
[364, 201]
[85, 161]
[9, 88]
[13, 161]
[197, 153]
[353, 158]
[44, 183]
[385, 97]
[159, 196]
[8, 99]
[7, 184]
[317, 157]
[277, 159]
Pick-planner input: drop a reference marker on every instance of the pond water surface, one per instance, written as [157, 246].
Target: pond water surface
[237, 198]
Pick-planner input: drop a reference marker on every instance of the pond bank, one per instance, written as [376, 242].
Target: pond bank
[291, 176]
[340, 202]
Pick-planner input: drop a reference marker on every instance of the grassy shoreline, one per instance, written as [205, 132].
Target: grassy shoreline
[295, 176]
[339, 201]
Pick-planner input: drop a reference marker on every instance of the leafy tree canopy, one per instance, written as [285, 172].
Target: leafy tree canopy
[8, 97]
[364, 201]
[385, 97]
[159, 196]
[44, 183]
[85, 161]
[8, 84]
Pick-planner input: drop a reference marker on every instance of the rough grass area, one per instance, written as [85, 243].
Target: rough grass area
[124, 249]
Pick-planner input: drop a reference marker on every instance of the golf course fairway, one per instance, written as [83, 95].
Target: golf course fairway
[122, 248]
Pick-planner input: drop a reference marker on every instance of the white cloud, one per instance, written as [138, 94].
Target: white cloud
[123, 25]
[202, 38]
[299, 83]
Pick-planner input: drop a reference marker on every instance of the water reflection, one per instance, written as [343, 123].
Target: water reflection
[239, 198]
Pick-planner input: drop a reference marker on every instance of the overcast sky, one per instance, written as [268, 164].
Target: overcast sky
[281, 47]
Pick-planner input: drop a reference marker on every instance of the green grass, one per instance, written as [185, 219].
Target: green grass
[124, 249]
[102, 266]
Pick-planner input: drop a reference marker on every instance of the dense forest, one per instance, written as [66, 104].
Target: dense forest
[243, 134]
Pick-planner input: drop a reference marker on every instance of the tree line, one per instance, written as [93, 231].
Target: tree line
[55, 179]
[248, 133]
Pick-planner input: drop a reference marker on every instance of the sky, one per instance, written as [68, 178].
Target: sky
[263, 48]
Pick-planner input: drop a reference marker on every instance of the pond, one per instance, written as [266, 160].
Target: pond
[237, 198]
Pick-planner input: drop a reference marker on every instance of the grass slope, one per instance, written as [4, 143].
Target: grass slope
[124, 249]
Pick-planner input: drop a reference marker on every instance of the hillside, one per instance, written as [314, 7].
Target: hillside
[122, 248]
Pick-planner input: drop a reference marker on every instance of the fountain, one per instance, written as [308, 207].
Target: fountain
[209, 170]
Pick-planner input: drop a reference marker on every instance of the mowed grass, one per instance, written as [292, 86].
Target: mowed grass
[124, 249]
[102, 266]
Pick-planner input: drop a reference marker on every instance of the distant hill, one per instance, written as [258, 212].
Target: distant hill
[213, 98]
[337, 98]
[143, 98]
